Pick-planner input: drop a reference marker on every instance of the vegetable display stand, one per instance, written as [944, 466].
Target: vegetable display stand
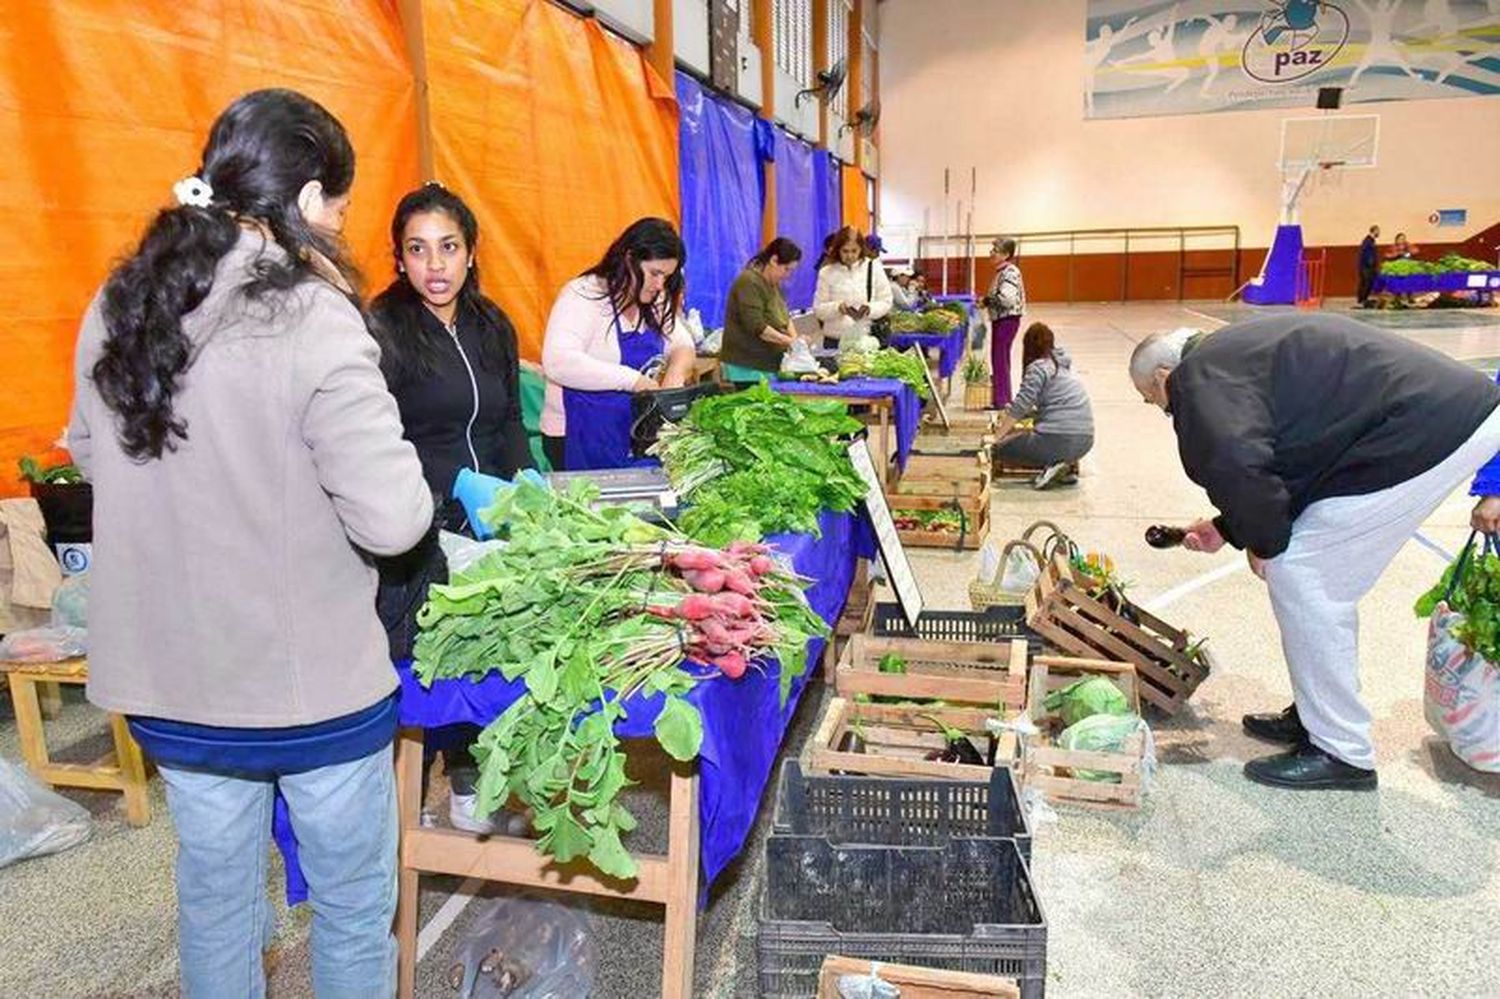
[895, 741]
[959, 522]
[914, 982]
[123, 770]
[669, 880]
[858, 615]
[1055, 771]
[1069, 617]
[985, 676]
[900, 812]
[967, 905]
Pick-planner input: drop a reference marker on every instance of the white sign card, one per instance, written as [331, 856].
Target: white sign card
[932, 388]
[892, 553]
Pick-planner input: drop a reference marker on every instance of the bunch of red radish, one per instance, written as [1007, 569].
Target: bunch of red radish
[723, 618]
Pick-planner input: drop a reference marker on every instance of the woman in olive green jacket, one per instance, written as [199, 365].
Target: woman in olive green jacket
[757, 325]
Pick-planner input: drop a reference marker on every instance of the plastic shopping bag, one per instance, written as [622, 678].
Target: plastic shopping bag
[35, 820]
[44, 645]
[525, 947]
[1461, 696]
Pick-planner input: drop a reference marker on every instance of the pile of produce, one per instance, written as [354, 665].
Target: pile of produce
[934, 319]
[906, 366]
[1477, 598]
[1449, 263]
[589, 608]
[758, 462]
[64, 474]
[936, 521]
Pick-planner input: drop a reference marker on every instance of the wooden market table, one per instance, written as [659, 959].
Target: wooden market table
[669, 880]
[881, 405]
[124, 770]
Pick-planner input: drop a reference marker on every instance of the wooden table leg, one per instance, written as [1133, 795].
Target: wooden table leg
[132, 773]
[681, 929]
[885, 444]
[29, 723]
[409, 816]
[50, 697]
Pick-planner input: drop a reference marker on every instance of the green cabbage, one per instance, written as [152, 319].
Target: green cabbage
[1094, 695]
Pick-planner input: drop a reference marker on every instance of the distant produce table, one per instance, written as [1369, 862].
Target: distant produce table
[713, 802]
[891, 399]
[1484, 282]
[950, 347]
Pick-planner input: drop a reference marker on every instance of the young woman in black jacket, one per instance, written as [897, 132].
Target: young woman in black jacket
[450, 358]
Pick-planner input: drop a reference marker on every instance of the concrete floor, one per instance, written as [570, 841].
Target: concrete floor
[1217, 887]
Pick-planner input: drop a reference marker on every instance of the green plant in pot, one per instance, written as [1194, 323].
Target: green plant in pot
[66, 499]
[976, 370]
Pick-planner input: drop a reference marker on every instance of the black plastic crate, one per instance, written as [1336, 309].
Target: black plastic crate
[964, 906]
[997, 624]
[900, 811]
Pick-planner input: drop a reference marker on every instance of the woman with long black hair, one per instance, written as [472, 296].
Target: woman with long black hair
[613, 331]
[246, 455]
[450, 358]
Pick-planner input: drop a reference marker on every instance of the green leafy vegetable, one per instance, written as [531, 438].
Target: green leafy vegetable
[63, 474]
[1084, 698]
[1477, 598]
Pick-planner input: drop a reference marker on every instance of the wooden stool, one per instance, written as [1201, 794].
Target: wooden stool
[124, 770]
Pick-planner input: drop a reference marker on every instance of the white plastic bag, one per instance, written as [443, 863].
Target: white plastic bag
[35, 820]
[524, 947]
[462, 552]
[44, 645]
[799, 360]
[1461, 696]
[694, 324]
[70, 604]
[1019, 569]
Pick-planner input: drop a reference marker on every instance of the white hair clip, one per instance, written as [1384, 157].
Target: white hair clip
[193, 191]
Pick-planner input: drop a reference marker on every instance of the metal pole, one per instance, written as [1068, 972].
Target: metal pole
[946, 230]
[973, 200]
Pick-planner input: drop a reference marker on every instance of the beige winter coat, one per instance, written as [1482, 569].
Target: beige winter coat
[228, 585]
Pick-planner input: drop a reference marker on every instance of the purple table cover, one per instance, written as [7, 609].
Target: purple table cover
[950, 346]
[907, 410]
[743, 721]
[1421, 284]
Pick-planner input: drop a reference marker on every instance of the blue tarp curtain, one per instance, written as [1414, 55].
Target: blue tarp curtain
[722, 194]
[797, 216]
[829, 192]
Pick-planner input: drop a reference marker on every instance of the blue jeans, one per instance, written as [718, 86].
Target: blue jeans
[345, 819]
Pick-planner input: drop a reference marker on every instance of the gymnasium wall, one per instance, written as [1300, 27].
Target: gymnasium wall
[999, 86]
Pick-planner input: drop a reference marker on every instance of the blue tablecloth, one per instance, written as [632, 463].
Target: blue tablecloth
[743, 721]
[907, 411]
[950, 346]
[1422, 284]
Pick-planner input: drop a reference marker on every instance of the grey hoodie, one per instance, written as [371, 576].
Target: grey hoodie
[1052, 393]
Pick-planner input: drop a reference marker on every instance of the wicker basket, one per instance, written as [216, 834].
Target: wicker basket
[984, 595]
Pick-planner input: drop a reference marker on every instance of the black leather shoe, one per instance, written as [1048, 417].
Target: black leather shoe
[1308, 768]
[1282, 726]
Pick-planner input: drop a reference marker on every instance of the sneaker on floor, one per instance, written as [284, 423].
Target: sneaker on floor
[1049, 475]
[1308, 768]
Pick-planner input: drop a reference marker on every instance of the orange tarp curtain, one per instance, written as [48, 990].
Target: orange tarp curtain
[557, 133]
[856, 198]
[105, 104]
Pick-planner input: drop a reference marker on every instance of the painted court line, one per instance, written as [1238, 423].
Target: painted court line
[1176, 593]
[444, 917]
[1432, 546]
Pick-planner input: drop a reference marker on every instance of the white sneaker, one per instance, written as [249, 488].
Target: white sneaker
[1049, 475]
[461, 816]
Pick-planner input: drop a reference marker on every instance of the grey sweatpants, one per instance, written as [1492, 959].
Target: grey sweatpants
[1339, 547]
[1041, 450]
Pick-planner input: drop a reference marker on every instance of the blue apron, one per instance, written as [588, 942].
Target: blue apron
[598, 423]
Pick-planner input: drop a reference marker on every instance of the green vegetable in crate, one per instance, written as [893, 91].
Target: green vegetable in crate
[588, 608]
[1101, 734]
[1093, 695]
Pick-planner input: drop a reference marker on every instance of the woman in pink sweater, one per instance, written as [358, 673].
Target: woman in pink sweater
[612, 332]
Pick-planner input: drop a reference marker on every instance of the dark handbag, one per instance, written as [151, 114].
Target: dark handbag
[649, 411]
[880, 328]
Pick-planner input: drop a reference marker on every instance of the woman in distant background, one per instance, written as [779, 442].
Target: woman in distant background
[757, 324]
[1054, 397]
[1006, 303]
[613, 331]
[852, 289]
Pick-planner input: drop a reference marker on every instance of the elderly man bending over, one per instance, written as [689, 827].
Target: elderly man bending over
[1324, 444]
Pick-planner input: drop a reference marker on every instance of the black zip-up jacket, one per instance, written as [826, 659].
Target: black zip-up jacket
[457, 422]
[1275, 414]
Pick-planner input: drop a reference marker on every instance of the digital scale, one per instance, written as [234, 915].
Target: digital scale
[645, 491]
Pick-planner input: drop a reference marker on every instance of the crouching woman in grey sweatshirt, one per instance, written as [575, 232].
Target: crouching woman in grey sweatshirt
[1055, 398]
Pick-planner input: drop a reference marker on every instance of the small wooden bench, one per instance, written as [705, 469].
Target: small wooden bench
[124, 770]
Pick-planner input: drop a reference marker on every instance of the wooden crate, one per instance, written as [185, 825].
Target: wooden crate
[962, 472]
[1002, 470]
[916, 983]
[1049, 768]
[975, 508]
[896, 739]
[1061, 610]
[984, 675]
[858, 618]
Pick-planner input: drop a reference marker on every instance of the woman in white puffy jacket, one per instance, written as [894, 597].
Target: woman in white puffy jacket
[852, 289]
